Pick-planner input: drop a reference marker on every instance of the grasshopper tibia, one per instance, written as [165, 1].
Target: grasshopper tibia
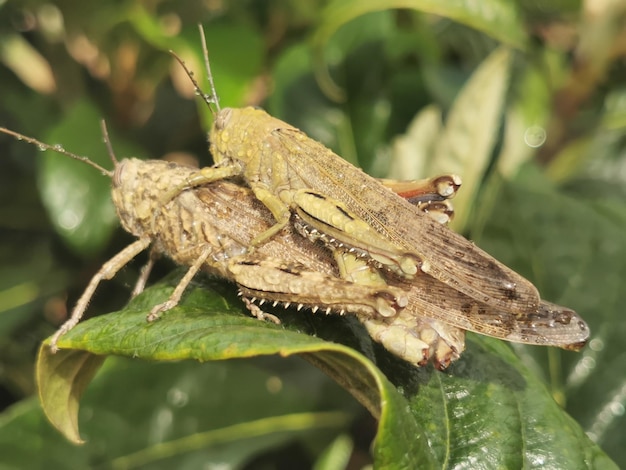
[108, 270]
[429, 189]
[175, 297]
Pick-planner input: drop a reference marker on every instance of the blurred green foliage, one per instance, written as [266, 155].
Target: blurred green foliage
[533, 101]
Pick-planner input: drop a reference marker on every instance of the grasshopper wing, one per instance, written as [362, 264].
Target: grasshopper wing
[550, 325]
[446, 255]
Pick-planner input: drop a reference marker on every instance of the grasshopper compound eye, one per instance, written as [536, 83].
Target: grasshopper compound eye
[117, 175]
[223, 118]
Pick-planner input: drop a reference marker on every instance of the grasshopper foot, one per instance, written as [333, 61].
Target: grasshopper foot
[159, 309]
[53, 342]
[256, 311]
[65, 327]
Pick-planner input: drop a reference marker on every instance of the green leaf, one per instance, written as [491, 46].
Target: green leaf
[487, 400]
[211, 327]
[496, 18]
[491, 409]
[61, 380]
[184, 415]
[413, 150]
[575, 254]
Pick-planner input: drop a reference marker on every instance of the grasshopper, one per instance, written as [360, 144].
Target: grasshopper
[292, 173]
[210, 228]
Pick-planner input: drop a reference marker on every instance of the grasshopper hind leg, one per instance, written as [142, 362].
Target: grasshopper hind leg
[331, 222]
[318, 218]
[280, 282]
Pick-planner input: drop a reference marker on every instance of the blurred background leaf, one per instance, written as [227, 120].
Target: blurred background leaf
[549, 198]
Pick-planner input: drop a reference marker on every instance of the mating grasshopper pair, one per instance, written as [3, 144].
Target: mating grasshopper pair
[351, 212]
[415, 284]
[211, 228]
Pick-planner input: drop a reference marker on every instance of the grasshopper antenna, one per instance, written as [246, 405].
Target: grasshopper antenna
[208, 99]
[57, 149]
[207, 64]
[107, 142]
[212, 100]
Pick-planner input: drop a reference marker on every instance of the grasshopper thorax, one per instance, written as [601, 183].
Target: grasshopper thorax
[236, 133]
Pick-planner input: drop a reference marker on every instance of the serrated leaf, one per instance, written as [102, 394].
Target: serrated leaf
[496, 18]
[487, 400]
[467, 140]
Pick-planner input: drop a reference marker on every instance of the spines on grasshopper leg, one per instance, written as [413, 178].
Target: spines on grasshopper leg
[429, 195]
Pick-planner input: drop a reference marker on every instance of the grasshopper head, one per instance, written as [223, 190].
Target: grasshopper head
[138, 189]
